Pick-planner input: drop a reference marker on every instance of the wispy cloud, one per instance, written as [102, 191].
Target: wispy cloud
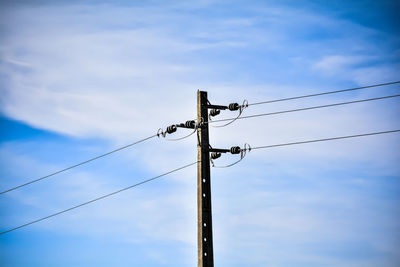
[121, 72]
[70, 73]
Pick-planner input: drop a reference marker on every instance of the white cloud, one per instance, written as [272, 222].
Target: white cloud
[361, 69]
[335, 64]
[74, 73]
[121, 73]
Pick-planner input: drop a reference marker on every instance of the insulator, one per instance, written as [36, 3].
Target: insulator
[233, 106]
[190, 124]
[215, 155]
[171, 129]
[235, 149]
[214, 112]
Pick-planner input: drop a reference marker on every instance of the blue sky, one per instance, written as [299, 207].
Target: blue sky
[79, 78]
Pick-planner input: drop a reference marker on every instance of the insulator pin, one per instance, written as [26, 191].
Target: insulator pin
[171, 129]
[215, 155]
[233, 106]
[235, 150]
[214, 112]
[190, 124]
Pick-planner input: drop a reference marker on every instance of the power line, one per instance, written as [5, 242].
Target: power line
[96, 199]
[78, 164]
[324, 139]
[324, 93]
[308, 108]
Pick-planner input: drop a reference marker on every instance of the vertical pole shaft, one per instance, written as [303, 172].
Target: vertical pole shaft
[204, 224]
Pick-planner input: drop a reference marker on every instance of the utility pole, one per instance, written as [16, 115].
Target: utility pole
[204, 212]
[204, 224]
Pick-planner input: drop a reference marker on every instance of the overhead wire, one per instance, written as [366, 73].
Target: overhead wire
[299, 97]
[183, 137]
[221, 120]
[307, 108]
[78, 164]
[323, 93]
[244, 105]
[324, 139]
[96, 199]
[247, 148]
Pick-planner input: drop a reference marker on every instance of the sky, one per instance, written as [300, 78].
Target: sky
[80, 78]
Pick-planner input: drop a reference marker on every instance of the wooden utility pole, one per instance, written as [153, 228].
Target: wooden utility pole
[204, 224]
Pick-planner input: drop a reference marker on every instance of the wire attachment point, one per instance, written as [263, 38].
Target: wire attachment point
[191, 124]
[170, 129]
[215, 155]
[214, 112]
[233, 107]
[233, 150]
[160, 132]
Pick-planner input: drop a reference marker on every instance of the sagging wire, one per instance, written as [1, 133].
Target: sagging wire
[234, 150]
[76, 165]
[232, 107]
